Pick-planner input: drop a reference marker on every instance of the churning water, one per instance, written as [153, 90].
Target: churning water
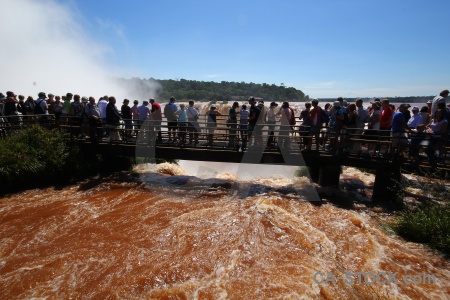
[195, 238]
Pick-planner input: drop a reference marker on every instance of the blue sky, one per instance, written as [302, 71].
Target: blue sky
[324, 48]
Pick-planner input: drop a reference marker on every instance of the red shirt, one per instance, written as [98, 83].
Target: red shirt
[156, 111]
[386, 118]
[316, 111]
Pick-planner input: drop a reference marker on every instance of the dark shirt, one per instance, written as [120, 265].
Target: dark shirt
[10, 108]
[126, 112]
[254, 111]
[112, 114]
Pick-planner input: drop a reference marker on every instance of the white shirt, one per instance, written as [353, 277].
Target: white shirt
[415, 120]
[285, 116]
[102, 106]
[271, 115]
[244, 116]
[191, 113]
[362, 117]
[434, 104]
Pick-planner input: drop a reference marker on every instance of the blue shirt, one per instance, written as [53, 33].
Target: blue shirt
[396, 122]
[169, 111]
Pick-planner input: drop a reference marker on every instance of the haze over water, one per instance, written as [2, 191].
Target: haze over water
[192, 241]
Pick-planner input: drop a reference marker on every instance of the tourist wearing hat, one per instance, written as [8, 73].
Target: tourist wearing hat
[271, 121]
[415, 119]
[438, 99]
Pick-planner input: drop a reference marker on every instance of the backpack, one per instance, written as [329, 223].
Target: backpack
[325, 116]
[292, 118]
[38, 108]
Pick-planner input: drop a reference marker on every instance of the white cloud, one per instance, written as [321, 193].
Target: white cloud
[44, 48]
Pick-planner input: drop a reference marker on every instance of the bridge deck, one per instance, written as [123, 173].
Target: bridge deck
[350, 148]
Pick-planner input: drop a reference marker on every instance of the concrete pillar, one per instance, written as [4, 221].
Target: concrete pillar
[386, 186]
[329, 175]
[314, 172]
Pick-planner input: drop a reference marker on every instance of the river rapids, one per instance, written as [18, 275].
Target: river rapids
[173, 236]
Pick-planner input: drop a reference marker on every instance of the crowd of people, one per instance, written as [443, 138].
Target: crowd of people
[330, 127]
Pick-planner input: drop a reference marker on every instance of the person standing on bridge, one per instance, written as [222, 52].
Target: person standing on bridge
[94, 118]
[41, 108]
[271, 122]
[362, 117]
[182, 124]
[254, 130]
[134, 116]
[172, 121]
[415, 119]
[437, 131]
[212, 123]
[113, 119]
[125, 110]
[144, 113]
[438, 99]
[285, 128]
[243, 125]
[399, 129]
[102, 103]
[232, 122]
[155, 120]
[193, 126]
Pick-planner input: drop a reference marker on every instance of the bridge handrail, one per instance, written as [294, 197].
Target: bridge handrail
[222, 133]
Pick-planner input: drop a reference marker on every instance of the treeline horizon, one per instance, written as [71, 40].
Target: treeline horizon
[184, 89]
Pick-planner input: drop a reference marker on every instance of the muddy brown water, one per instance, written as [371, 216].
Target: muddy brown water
[132, 241]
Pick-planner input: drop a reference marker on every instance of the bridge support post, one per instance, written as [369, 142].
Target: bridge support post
[314, 172]
[329, 175]
[387, 183]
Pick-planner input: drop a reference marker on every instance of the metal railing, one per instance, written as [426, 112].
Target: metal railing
[352, 141]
